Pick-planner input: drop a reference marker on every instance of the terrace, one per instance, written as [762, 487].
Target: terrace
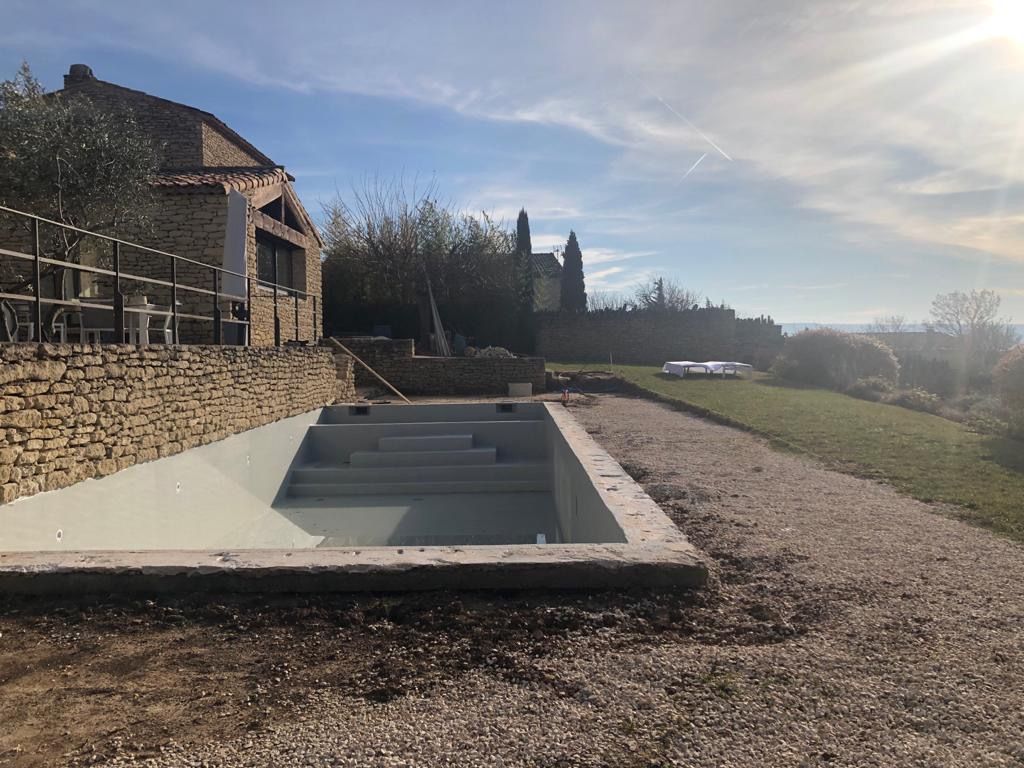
[221, 308]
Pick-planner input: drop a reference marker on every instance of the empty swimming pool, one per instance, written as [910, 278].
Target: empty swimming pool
[353, 491]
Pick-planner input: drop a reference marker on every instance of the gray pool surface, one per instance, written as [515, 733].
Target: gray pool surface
[467, 485]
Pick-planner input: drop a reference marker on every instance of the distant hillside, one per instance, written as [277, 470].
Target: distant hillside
[791, 328]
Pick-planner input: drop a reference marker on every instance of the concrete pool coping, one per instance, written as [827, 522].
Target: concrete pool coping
[655, 554]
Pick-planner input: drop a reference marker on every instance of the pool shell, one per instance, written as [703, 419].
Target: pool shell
[621, 539]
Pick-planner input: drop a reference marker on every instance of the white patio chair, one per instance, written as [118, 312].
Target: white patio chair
[8, 322]
[165, 333]
[137, 327]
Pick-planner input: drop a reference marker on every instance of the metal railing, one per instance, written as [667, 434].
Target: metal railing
[119, 308]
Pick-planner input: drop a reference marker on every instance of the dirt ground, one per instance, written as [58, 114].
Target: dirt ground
[845, 625]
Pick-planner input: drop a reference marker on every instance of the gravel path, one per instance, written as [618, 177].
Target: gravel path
[846, 625]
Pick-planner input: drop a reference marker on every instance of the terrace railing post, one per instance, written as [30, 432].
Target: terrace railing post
[277, 282]
[118, 297]
[216, 308]
[277, 321]
[296, 295]
[37, 282]
[174, 300]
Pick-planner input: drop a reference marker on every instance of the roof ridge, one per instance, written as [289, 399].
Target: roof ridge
[219, 169]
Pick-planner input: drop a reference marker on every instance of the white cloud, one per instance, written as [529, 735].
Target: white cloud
[883, 115]
[597, 277]
[593, 256]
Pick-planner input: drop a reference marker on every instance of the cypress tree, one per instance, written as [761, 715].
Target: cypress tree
[574, 289]
[522, 264]
[659, 294]
[522, 284]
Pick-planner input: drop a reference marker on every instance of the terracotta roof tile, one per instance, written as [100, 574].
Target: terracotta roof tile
[222, 178]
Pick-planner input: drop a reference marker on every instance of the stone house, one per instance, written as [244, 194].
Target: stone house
[222, 202]
[547, 282]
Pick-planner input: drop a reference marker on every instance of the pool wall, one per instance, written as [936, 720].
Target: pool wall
[70, 412]
[222, 528]
[204, 498]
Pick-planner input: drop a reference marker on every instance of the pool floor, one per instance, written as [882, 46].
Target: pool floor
[444, 519]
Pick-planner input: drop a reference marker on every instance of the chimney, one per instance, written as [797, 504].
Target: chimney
[79, 73]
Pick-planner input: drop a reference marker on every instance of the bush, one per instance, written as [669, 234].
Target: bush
[937, 376]
[870, 388]
[836, 360]
[916, 400]
[988, 416]
[1008, 376]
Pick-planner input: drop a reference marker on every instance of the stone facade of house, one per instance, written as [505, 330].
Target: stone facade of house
[203, 163]
[71, 412]
[547, 282]
[188, 137]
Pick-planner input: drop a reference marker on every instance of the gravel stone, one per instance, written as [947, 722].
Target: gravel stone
[845, 625]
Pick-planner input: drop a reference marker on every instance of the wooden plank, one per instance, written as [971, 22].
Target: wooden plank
[351, 354]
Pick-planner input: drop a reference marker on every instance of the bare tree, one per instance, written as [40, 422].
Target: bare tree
[889, 324]
[608, 301]
[382, 243]
[658, 293]
[379, 242]
[973, 317]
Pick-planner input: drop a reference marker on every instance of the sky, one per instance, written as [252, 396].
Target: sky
[818, 161]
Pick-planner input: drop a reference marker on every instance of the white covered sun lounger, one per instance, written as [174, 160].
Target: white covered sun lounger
[725, 368]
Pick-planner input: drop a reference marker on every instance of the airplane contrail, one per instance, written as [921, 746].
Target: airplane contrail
[693, 167]
[671, 109]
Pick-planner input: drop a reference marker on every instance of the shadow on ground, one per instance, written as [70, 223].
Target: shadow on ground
[1007, 452]
[115, 676]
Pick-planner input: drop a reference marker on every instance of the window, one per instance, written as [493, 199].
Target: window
[274, 254]
[279, 210]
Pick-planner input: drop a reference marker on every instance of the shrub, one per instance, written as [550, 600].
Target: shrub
[836, 360]
[870, 388]
[916, 400]
[918, 371]
[988, 416]
[1008, 376]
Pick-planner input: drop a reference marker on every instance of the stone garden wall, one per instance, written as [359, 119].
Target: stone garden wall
[396, 361]
[651, 338]
[386, 356]
[71, 412]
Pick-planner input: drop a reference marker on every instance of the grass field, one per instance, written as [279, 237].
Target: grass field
[925, 456]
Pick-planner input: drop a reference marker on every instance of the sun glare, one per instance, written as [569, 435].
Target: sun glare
[1008, 19]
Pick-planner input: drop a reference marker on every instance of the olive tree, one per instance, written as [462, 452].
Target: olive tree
[65, 158]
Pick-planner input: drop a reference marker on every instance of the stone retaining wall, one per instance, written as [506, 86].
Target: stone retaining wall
[345, 382]
[396, 361]
[71, 412]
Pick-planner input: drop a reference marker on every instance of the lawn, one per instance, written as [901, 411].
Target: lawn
[928, 457]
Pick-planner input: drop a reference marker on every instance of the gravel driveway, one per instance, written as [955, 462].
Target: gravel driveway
[846, 625]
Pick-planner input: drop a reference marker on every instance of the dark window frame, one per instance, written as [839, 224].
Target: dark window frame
[283, 254]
